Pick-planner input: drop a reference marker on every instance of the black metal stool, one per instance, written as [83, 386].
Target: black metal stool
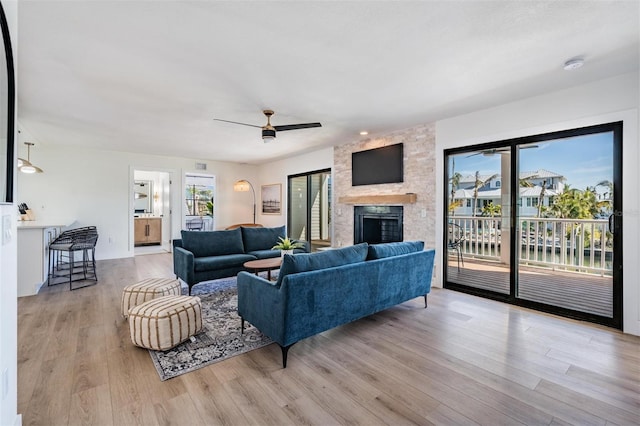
[62, 257]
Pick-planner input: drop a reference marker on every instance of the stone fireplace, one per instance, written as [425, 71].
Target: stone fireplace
[414, 197]
[377, 224]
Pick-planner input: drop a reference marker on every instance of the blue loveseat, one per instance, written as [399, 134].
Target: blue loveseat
[318, 291]
[203, 256]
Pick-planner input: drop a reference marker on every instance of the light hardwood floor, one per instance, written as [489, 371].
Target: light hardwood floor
[464, 360]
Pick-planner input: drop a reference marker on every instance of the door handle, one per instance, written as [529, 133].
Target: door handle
[612, 222]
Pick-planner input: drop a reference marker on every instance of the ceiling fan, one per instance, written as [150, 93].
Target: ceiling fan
[269, 131]
[494, 151]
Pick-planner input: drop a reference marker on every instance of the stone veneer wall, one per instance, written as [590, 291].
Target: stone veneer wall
[419, 178]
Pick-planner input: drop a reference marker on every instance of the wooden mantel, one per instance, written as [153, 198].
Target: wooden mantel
[410, 198]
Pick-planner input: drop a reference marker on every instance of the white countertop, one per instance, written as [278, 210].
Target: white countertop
[41, 224]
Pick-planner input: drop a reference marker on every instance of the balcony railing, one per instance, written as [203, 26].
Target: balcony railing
[574, 245]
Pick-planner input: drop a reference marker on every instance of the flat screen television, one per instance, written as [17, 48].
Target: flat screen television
[378, 165]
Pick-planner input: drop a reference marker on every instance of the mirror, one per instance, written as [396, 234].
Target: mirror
[7, 104]
[142, 196]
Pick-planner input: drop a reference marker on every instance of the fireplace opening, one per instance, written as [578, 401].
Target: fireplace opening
[377, 224]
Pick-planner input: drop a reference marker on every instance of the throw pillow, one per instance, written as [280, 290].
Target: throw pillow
[304, 262]
[380, 251]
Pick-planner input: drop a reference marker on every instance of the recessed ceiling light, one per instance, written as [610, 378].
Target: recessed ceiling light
[573, 64]
[364, 133]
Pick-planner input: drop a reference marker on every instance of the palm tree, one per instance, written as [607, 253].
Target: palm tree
[479, 183]
[540, 200]
[492, 210]
[455, 182]
[574, 204]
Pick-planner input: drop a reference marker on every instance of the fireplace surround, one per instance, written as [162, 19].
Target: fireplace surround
[377, 224]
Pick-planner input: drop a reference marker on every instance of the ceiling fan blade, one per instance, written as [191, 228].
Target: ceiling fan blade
[235, 122]
[493, 151]
[296, 126]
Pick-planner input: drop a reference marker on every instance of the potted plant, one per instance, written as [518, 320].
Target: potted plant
[287, 245]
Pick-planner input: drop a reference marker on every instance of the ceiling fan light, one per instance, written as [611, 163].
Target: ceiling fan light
[28, 169]
[268, 135]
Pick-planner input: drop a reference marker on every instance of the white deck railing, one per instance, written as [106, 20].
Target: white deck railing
[575, 245]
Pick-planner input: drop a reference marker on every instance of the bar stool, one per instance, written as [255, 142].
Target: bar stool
[62, 257]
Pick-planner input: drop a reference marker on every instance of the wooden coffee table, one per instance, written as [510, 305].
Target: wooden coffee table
[264, 265]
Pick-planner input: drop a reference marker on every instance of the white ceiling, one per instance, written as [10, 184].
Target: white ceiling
[150, 76]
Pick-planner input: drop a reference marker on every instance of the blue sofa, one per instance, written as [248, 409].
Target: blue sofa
[318, 291]
[209, 255]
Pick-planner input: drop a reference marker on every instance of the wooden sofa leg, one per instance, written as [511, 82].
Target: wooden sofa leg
[425, 301]
[285, 350]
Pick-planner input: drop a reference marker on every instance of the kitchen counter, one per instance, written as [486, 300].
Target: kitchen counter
[33, 241]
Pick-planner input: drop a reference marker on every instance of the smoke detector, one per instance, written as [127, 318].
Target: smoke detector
[573, 64]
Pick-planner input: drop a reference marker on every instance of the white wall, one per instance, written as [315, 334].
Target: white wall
[95, 188]
[277, 172]
[608, 100]
[8, 281]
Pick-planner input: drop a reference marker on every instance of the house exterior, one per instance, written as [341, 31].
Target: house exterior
[491, 192]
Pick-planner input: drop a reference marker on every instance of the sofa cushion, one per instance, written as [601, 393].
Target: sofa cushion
[212, 243]
[380, 251]
[304, 262]
[264, 254]
[208, 263]
[255, 239]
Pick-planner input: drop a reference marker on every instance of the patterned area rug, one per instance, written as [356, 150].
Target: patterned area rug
[220, 338]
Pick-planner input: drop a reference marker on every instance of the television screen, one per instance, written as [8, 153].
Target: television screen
[379, 165]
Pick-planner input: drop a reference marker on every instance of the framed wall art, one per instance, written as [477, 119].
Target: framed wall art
[271, 197]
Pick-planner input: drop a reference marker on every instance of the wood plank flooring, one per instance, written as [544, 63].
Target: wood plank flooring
[462, 361]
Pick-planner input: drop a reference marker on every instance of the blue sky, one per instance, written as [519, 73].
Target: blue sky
[582, 160]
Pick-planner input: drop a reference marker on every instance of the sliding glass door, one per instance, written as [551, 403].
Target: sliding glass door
[558, 248]
[309, 202]
[478, 215]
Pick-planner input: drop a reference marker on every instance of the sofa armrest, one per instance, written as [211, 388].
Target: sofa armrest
[261, 303]
[183, 265]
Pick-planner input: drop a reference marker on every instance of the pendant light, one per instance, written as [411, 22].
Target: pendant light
[25, 166]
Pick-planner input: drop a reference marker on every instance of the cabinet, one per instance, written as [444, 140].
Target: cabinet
[33, 255]
[147, 230]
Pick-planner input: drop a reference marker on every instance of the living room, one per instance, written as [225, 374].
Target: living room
[90, 185]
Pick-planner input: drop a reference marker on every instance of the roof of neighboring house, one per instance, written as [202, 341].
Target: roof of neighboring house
[540, 174]
[535, 191]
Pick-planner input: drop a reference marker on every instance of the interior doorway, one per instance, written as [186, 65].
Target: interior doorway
[151, 212]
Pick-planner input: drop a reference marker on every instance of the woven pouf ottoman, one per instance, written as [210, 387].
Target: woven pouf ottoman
[165, 322]
[148, 289]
